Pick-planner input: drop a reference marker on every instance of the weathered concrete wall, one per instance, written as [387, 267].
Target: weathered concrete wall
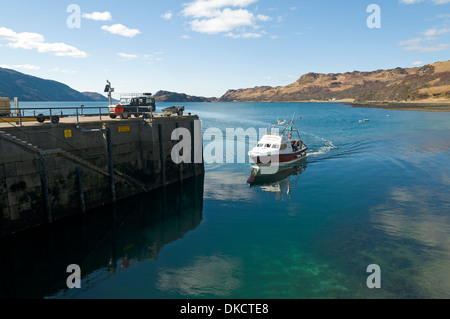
[141, 152]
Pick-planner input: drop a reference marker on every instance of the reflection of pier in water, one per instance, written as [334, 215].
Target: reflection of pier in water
[280, 183]
[34, 263]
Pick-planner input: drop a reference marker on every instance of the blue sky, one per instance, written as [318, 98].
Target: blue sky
[205, 47]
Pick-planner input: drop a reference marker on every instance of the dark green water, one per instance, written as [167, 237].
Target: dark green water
[369, 193]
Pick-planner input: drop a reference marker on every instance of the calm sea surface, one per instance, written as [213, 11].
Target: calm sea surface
[375, 192]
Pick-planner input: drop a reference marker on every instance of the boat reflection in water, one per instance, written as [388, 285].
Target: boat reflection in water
[104, 243]
[280, 183]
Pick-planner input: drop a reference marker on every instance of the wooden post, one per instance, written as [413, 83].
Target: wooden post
[46, 194]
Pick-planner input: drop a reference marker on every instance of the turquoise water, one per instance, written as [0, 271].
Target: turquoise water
[374, 192]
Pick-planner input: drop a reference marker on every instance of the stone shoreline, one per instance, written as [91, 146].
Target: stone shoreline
[405, 106]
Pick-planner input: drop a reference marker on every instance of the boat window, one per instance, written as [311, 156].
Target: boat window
[283, 147]
[260, 145]
[275, 146]
[268, 145]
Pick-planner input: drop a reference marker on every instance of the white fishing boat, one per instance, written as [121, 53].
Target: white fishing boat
[282, 149]
[281, 123]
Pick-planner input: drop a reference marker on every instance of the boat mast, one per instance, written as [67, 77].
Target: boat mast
[291, 127]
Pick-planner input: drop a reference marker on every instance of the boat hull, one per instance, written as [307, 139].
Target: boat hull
[280, 160]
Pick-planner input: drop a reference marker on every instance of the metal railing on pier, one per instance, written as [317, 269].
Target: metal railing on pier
[53, 114]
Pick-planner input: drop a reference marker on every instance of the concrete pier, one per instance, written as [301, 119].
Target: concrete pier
[52, 171]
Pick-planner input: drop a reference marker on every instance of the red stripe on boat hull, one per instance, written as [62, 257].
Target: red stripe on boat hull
[284, 158]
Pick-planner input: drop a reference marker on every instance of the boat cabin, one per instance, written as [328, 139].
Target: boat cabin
[278, 144]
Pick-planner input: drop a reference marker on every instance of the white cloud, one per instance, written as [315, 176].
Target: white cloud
[156, 56]
[411, 42]
[423, 45]
[432, 48]
[120, 29]
[127, 56]
[36, 41]
[167, 15]
[246, 35]
[98, 16]
[186, 37]
[262, 17]
[153, 57]
[21, 66]
[427, 43]
[435, 32]
[417, 63]
[223, 16]
[225, 21]
[211, 8]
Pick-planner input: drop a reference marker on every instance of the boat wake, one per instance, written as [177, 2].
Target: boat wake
[323, 150]
[323, 147]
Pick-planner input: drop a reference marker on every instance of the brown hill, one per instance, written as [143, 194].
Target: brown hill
[430, 82]
[166, 96]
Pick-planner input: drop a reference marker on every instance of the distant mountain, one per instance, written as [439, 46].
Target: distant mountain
[430, 82]
[97, 97]
[31, 88]
[165, 96]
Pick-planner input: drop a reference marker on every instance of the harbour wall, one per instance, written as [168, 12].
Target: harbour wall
[52, 171]
[142, 227]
